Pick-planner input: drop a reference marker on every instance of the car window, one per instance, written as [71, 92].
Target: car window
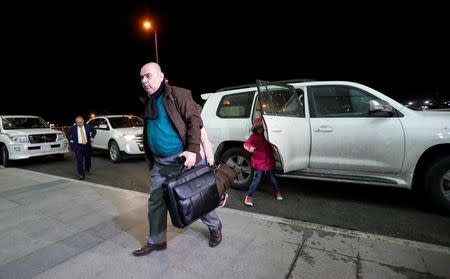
[236, 105]
[283, 102]
[94, 123]
[102, 121]
[12, 123]
[257, 112]
[339, 101]
[125, 122]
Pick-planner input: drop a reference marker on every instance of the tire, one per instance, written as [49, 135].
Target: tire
[4, 156]
[114, 152]
[437, 183]
[239, 160]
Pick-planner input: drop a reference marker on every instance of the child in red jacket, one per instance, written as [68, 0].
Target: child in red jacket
[262, 161]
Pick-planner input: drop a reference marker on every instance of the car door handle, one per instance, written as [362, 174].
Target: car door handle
[325, 129]
[275, 130]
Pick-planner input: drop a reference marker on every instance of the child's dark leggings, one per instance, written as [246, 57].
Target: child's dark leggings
[257, 180]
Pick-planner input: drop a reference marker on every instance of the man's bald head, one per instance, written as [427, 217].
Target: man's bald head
[79, 120]
[152, 65]
[151, 77]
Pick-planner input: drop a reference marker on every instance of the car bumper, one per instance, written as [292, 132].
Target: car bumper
[132, 147]
[24, 151]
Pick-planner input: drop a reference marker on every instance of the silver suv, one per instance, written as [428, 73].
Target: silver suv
[333, 131]
[26, 136]
[121, 135]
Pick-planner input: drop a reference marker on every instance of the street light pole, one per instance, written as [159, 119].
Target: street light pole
[156, 46]
[147, 26]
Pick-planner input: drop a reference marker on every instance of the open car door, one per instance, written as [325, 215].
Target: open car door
[286, 126]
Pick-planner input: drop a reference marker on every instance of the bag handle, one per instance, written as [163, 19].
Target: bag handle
[181, 159]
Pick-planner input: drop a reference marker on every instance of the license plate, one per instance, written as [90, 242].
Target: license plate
[46, 148]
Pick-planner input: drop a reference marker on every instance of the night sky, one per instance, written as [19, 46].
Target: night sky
[62, 60]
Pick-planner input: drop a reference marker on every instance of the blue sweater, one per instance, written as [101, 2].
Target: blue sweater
[163, 139]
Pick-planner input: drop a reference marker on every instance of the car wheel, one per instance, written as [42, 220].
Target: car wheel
[5, 157]
[239, 160]
[437, 182]
[114, 152]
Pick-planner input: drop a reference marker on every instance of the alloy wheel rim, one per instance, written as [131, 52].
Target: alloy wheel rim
[445, 185]
[113, 152]
[241, 165]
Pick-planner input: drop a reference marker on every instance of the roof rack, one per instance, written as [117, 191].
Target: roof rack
[254, 84]
[237, 87]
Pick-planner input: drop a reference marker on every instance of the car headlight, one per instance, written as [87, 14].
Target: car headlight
[20, 139]
[60, 136]
[129, 137]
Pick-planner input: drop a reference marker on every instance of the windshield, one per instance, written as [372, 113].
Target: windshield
[126, 122]
[12, 123]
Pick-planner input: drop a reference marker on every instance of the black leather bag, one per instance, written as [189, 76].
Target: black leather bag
[191, 195]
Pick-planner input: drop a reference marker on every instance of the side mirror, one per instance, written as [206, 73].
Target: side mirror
[52, 126]
[380, 107]
[103, 126]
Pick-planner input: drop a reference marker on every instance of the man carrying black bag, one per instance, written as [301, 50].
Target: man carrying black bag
[171, 129]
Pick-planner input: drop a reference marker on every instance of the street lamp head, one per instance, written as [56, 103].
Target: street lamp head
[147, 25]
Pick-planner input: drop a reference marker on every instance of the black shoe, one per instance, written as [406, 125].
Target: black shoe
[215, 236]
[81, 177]
[148, 248]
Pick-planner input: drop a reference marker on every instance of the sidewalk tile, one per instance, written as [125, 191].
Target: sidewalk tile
[313, 263]
[372, 270]
[7, 204]
[393, 254]
[333, 242]
[48, 256]
[106, 261]
[437, 264]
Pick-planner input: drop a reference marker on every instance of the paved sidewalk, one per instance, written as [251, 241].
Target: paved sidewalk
[53, 227]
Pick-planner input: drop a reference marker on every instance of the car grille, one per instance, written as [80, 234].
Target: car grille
[139, 138]
[42, 138]
[140, 141]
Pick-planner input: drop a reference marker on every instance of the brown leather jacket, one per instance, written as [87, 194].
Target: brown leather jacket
[185, 117]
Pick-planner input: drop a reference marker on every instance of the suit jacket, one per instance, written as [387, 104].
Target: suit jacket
[72, 135]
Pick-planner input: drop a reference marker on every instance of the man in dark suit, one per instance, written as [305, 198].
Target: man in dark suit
[80, 136]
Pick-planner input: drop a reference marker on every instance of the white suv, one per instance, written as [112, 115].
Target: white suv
[25, 136]
[121, 135]
[334, 131]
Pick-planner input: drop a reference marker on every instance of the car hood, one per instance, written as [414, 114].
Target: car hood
[131, 131]
[435, 113]
[436, 116]
[435, 121]
[19, 132]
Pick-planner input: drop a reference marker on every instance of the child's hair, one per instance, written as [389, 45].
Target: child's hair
[257, 123]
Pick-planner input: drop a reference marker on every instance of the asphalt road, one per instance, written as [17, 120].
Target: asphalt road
[380, 210]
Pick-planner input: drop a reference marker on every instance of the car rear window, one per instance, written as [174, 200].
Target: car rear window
[236, 105]
[126, 122]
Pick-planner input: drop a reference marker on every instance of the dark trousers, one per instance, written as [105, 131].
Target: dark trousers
[83, 153]
[163, 169]
[257, 179]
